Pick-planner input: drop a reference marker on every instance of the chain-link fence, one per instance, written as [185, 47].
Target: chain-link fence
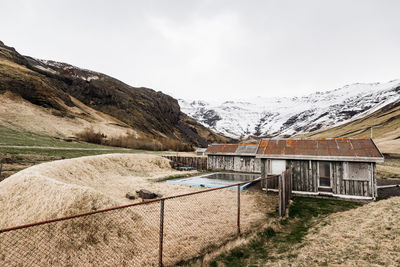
[159, 232]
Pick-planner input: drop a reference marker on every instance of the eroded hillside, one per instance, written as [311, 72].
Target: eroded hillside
[39, 94]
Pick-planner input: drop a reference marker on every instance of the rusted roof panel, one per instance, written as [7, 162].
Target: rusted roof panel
[344, 148]
[324, 147]
[239, 149]
[247, 149]
[222, 149]
[363, 148]
[327, 149]
[262, 146]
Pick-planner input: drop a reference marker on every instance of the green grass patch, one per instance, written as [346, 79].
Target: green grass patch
[62, 153]
[270, 245]
[16, 142]
[23, 148]
[10, 137]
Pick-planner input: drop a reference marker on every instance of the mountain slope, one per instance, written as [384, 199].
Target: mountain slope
[78, 95]
[290, 116]
[385, 124]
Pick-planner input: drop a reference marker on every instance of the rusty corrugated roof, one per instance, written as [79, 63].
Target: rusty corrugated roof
[247, 149]
[345, 149]
[222, 149]
[239, 149]
[324, 147]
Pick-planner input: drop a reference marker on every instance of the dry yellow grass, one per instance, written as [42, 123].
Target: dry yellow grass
[71, 186]
[123, 237]
[366, 236]
[17, 113]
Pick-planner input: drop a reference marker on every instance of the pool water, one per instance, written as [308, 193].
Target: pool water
[217, 179]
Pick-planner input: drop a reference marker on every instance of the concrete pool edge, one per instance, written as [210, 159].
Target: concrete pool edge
[210, 185]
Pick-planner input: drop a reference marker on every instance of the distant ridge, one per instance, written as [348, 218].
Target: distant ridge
[284, 116]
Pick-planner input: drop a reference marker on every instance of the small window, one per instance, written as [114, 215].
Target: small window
[324, 174]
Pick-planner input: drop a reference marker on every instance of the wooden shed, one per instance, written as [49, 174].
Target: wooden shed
[338, 167]
[233, 157]
[201, 151]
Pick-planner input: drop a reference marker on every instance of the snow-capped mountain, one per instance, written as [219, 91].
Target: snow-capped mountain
[283, 116]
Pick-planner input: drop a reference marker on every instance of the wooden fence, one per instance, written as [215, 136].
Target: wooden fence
[200, 163]
[285, 191]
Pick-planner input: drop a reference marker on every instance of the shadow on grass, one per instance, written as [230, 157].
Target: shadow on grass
[268, 244]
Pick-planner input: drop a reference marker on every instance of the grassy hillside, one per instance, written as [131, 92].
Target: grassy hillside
[61, 99]
[386, 129]
[21, 149]
[385, 125]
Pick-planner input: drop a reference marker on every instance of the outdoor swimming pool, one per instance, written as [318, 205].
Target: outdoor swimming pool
[218, 179]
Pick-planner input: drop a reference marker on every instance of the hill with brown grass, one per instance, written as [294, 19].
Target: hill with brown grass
[385, 124]
[60, 99]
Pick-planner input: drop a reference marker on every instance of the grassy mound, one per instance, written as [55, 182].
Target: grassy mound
[72, 186]
[128, 237]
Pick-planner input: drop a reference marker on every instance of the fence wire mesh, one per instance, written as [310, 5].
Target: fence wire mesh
[130, 236]
[191, 223]
[125, 237]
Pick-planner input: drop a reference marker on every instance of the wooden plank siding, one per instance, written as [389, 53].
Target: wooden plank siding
[349, 179]
[350, 187]
[200, 163]
[304, 175]
[234, 163]
[305, 179]
[273, 183]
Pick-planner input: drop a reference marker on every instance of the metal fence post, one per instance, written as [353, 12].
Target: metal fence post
[238, 212]
[160, 245]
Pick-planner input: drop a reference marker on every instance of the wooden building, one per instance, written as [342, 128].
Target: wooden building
[233, 157]
[201, 151]
[340, 167]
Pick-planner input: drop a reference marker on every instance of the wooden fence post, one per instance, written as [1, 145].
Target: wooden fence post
[281, 195]
[264, 183]
[238, 209]
[285, 191]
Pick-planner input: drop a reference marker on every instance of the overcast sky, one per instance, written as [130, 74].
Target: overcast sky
[214, 49]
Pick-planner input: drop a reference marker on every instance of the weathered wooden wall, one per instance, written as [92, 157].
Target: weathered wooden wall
[305, 178]
[345, 186]
[234, 163]
[200, 163]
[273, 183]
[305, 175]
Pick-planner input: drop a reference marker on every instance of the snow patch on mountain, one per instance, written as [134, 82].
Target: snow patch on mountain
[285, 116]
[60, 68]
